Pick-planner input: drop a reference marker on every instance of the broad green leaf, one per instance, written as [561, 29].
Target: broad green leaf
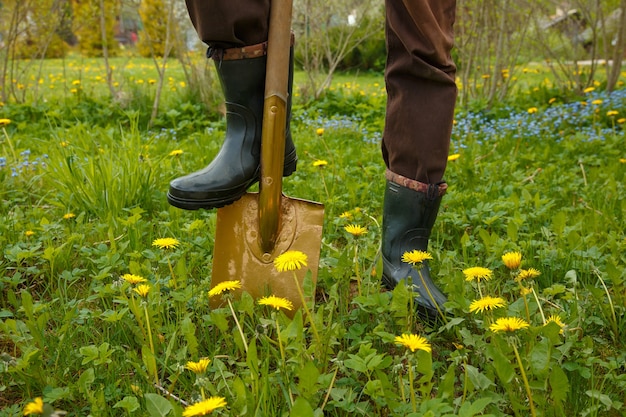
[502, 364]
[356, 362]
[252, 359]
[307, 379]
[240, 395]
[603, 398]
[90, 353]
[149, 360]
[400, 301]
[559, 385]
[301, 408]
[424, 362]
[156, 405]
[53, 394]
[188, 330]
[540, 356]
[220, 320]
[511, 231]
[27, 304]
[85, 380]
[446, 386]
[471, 409]
[478, 379]
[128, 403]
[374, 389]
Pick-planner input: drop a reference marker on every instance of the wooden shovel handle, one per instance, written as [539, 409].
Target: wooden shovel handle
[274, 121]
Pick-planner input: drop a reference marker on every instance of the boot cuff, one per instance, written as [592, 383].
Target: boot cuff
[246, 52]
[431, 190]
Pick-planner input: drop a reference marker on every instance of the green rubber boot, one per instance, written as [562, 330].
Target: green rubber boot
[408, 218]
[236, 167]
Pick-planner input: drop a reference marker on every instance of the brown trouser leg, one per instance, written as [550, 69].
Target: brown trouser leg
[419, 74]
[230, 23]
[421, 89]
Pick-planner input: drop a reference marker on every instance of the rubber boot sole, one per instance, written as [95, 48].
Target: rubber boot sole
[229, 197]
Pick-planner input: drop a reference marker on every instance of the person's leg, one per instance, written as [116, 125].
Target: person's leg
[230, 23]
[421, 95]
[236, 32]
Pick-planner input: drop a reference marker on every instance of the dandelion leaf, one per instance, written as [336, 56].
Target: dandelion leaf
[559, 386]
[156, 405]
[478, 379]
[301, 408]
[471, 409]
[189, 332]
[540, 356]
[128, 403]
[502, 365]
[307, 379]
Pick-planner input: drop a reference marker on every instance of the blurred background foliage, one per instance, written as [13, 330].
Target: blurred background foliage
[495, 40]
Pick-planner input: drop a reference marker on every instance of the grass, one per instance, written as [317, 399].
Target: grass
[83, 184]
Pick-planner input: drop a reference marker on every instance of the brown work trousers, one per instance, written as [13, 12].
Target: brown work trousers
[419, 75]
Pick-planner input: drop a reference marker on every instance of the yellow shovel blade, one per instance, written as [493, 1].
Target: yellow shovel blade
[238, 255]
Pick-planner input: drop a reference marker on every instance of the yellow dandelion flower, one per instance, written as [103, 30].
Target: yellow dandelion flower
[64, 144]
[413, 342]
[597, 102]
[415, 257]
[612, 113]
[509, 324]
[29, 233]
[532, 110]
[529, 273]
[142, 290]
[476, 273]
[525, 291]
[290, 261]
[485, 76]
[151, 81]
[34, 407]
[133, 279]
[68, 216]
[454, 157]
[176, 152]
[345, 215]
[204, 407]
[319, 131]
[556, 319]
[165, 243]
[320, 163]
[588, 89]
[276, 302]
[76, 82]
[621, 120]
[486, 303]
[4, 122]
[552, 100]
[355, 230]
[224, 286]
[622, 160]
[512, 260]
[198, 367]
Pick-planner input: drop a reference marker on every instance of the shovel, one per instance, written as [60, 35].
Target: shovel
[254, 230]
